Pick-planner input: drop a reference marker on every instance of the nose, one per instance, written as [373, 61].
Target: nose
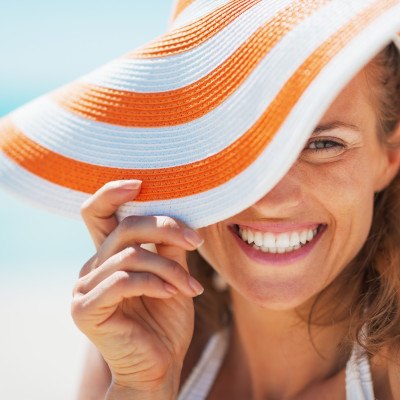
[285, 197]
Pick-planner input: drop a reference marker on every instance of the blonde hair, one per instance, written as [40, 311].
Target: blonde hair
[373, 277]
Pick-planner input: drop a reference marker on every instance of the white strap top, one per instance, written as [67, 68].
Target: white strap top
[199, 383]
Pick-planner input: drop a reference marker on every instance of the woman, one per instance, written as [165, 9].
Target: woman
[265, 134]
[296, 307]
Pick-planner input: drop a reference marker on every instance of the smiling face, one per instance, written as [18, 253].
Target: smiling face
[329, 191]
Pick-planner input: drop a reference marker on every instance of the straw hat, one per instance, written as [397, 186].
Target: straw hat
[210, 116]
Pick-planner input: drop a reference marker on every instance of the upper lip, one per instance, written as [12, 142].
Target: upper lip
[280, 227]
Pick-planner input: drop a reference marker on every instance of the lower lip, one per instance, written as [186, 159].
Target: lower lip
[276, 258]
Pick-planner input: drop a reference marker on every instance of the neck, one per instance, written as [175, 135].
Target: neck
[283, 355]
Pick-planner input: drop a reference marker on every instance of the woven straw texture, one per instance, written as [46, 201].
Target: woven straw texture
[210, 115]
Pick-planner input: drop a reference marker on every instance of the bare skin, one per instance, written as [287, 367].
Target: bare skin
[270, 354]
[335, 187]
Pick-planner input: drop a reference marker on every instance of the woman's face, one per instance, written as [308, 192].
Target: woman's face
[330, 188]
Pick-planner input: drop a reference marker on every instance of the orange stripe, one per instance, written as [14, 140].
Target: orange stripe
[186, 104]
[197, 177]
[180, 6]
[194, 34]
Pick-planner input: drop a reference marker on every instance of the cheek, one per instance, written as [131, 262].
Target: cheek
[346, 193]
[214, 248]
[341, 194]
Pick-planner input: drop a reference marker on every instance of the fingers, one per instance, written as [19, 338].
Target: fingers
[137, 259]
[98, 211]
[108, 294]
[149, 229]
[88, 266]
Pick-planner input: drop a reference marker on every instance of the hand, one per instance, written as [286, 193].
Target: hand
[135, 305]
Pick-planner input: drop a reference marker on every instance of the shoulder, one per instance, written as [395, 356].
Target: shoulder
[394, 374]
[385, 369]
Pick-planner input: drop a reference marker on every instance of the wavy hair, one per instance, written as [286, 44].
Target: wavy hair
[373, 276]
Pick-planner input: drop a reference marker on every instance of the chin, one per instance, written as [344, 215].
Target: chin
[275, 297]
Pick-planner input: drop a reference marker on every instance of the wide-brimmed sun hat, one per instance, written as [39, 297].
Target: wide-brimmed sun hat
[210, 116]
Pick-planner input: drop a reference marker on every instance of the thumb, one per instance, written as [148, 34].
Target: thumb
[99, 210]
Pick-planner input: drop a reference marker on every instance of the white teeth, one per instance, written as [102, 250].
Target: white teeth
[250, 236]
[294, 239]
[269, 240]
[303, 237]
[281, 243]
[258, 238]
[282, 240]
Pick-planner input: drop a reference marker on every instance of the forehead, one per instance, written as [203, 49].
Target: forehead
[352, 104]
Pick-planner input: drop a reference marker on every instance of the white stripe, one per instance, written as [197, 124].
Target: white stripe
[195, 11]
[37, 191]
[249, 186]
[118, 147]
[180, 70]
[246, 188]
[196, 211]
[252, 184]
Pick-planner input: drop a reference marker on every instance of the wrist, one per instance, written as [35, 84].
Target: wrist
[165, 389]
[118, 392]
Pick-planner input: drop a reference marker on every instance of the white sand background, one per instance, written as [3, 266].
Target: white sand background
[41, 349]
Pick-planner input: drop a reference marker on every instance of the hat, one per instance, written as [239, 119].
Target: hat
[210, 115]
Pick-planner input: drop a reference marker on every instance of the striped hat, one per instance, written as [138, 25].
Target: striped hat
[210, 116]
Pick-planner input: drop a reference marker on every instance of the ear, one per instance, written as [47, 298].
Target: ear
[391, 163]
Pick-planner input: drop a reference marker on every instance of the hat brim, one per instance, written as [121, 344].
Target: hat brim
[209, 124]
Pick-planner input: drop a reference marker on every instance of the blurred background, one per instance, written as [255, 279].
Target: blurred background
[45, 44]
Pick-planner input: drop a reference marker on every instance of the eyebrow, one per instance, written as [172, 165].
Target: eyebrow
[333, 125]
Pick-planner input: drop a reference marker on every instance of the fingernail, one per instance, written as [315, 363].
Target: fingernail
[196, 286]
[129, 184]
[193, 238]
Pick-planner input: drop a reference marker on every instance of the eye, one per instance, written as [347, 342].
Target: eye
[324, 145]
[323, 150]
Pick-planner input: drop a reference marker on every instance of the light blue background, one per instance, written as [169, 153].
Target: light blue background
[45, 44]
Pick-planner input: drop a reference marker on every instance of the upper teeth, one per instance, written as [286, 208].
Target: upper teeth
[276, 241]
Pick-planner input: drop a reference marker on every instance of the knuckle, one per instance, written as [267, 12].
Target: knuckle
[79, 288]
[88, 266]
[168, 223]
[128, 222]
[120, 278]
[130, 254]
[84, 209]
[77, 308]
[109, 185]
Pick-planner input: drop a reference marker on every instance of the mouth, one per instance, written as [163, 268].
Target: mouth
[266, 247]
[272, 243]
